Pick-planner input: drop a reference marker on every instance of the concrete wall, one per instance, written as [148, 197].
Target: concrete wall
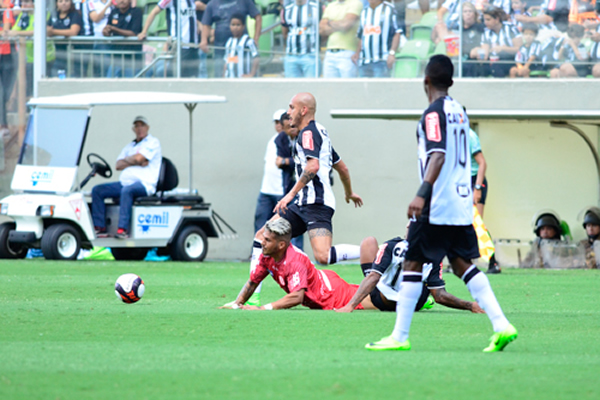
[531, 165]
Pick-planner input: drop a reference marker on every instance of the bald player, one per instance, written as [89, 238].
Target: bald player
[313, 209]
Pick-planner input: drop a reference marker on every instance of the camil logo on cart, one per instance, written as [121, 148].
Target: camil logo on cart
[147, 221]
[41, 176]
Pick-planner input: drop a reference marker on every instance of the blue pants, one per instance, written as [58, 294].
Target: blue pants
[264, 211]
[303, 66]
[374, 70]
[115, 190]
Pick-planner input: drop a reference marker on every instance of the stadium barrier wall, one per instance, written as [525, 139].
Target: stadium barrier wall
[530, 165]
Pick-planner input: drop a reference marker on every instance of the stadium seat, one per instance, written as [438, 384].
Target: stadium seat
[429, 18]
[407, 67]
[420, 31]
[419, 49]
[440, 48]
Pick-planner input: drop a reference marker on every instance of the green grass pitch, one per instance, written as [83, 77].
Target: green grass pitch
[64, 335]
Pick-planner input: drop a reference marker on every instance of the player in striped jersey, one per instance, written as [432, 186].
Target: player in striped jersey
[241, 55]
[442, 212]
[189, 31]
[313, 210]
[300, 25]
[379, 36]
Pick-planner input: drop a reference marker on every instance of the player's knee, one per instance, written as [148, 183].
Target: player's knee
[259, 234]
[368, 249]
[322, 257]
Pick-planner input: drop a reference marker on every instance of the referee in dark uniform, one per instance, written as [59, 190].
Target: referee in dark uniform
[442, 212]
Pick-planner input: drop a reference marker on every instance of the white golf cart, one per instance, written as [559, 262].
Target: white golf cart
[50, 212]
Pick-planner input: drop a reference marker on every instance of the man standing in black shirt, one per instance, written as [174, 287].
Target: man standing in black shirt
[124, 20]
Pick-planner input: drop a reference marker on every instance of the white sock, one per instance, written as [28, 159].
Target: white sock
[410, 291]
[342, 252]
[479, 286]
[256, 252]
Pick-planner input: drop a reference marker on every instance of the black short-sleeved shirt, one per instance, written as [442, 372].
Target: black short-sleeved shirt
[220, 12]
[284, 150]
[130, 20]
[471, 38]
[73, 18]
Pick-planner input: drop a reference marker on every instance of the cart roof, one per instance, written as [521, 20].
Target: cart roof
[88, 100]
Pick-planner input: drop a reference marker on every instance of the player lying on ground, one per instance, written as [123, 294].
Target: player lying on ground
[381, 268]
[304, 284]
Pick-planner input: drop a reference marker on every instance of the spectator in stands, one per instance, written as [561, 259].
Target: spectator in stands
[591, 224]
[67, 22]
[595, 52]
[300, 27]
[99, 11]
[528, 57]
[339, 25]
[379, 37]
[125, 20]
[500, 41]
[241, 55]
[574, 52]
[24, 27]
[554, 15]
[518, 7]
[190, 58]
[219, 12]
[448, 18]
[504, 5]
[471, 39]
[200, 7]
[547, 230]
[8, 67]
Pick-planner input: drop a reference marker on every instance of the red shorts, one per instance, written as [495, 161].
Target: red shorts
[341, 291]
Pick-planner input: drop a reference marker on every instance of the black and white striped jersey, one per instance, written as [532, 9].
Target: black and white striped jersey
[302, 22]
[444, 127]
[239, 53]
[314, 142]
[376, 30]
[189, 26]
[524, 53]
[504, 37]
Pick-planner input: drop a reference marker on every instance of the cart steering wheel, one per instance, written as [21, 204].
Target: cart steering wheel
[102, 167]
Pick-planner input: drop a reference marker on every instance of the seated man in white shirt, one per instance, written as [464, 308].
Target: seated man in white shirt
[140, 162]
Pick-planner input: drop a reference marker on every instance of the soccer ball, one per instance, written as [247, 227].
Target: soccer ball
[129, 288]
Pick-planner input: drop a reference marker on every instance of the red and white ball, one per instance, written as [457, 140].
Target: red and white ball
[129, 288]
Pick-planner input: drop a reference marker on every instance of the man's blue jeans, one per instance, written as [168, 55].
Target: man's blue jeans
[115, 190]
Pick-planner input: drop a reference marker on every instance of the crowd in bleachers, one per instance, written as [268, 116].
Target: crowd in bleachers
[349, 38]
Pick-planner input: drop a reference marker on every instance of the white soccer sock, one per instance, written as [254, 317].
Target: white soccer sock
[256, 252]
[410, 291]
[342, 252]
[481, 290]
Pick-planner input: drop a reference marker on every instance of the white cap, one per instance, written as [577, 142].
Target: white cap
[140, 118]
[278, 114]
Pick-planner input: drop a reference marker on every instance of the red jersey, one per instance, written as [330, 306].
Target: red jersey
[324, 289]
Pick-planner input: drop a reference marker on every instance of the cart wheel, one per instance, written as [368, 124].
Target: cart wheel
[191, 244]
[61, 242]
[10, 250]
[129, 254]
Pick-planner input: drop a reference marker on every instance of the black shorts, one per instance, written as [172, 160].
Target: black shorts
[484, 188]
[390, 305]
[308, 217]
[431, 243]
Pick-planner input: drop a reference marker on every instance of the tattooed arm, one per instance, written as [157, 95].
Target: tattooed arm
[310, 171]
[244, 295]
[444, 298]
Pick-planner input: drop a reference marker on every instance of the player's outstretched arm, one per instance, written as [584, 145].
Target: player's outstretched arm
[444, 298]
[288, 301]
[342, 170]
[366, 287]
[243, 296]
